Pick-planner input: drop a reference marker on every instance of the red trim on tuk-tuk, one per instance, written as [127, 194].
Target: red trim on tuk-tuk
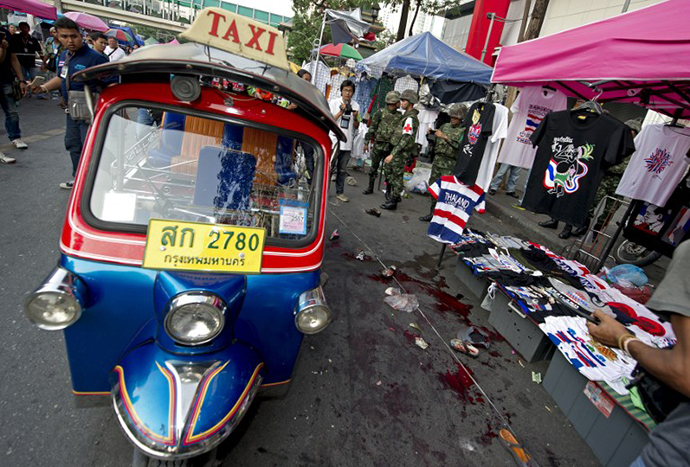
[79, 239]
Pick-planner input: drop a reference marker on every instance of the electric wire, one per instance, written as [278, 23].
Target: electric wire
[457, 359]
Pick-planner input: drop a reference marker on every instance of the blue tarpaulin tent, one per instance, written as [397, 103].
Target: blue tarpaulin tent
[425, 55]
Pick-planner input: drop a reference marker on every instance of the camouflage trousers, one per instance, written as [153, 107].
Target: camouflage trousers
[607, 187]
[394, 172]
[442, 166]
[380, 151]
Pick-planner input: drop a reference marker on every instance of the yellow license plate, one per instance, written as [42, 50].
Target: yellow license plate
[192, 246]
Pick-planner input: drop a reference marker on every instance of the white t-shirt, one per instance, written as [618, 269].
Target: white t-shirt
[486, 169]
[114, 55]
[346, 123]
[657, 165]
[529, 109]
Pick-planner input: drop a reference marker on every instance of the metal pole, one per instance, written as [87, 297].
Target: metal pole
[318, 50]
[626, 5]
[488, 34]
[525, 17]
[612, 240]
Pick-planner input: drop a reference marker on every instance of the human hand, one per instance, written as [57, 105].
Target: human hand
[291, 107]
[4, 44]
[608, 331]
[23, 87]
[440, 134]
[388, 159]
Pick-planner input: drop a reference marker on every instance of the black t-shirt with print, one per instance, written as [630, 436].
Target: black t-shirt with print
[575, 149]
[478, 128]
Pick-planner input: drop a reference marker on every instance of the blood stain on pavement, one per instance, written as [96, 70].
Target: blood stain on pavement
[461, 383]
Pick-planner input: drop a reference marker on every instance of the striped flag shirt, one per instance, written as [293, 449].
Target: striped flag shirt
[455, 202]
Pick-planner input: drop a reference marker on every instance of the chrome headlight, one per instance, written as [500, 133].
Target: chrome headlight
[57, 303]
[195, 318]
[312, 314]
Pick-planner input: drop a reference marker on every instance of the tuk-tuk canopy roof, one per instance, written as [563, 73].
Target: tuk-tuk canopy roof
[638, 57]
[202, 60]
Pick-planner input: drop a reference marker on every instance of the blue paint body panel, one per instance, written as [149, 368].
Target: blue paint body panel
[120, 313]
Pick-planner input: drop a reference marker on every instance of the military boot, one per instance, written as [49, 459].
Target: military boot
[370, 188]
[392, 202]
[429, 216]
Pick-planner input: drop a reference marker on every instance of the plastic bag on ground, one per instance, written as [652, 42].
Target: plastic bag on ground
[418, 182]
[402, 302]
[627, 275]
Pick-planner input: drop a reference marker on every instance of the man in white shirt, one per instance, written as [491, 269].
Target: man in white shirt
[114, 51]
[346, 113]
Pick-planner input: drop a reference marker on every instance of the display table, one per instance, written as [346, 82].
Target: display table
[615, 440]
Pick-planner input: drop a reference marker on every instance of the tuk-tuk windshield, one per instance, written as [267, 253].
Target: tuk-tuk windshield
[156, 163]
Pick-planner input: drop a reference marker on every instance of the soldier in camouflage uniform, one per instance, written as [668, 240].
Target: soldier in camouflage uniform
[404, 146]
[383, 125]
[448, 140]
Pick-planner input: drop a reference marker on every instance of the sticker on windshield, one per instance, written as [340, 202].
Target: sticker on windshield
[293, 217]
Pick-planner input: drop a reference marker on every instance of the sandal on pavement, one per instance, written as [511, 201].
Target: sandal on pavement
[517, 450]
[464, 347]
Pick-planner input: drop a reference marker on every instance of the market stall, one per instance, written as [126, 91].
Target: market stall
[634, 58]
[538, 301]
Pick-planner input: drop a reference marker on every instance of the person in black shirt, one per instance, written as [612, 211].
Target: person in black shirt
[26, 48]
[9, 69]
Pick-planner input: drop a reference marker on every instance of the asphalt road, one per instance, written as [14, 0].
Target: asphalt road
[363, 394]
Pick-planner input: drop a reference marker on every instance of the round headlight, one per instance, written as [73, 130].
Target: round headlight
[52, 311]
[195, 319]
[313, 319]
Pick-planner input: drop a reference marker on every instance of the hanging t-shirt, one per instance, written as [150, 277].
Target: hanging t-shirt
[478, 128]
[529, 109]
[575, 148]
[658, 164]
[486, 168]
[455, 202]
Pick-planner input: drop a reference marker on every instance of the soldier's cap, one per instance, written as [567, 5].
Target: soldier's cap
[457, 110]
[409, 95]
[393, 97]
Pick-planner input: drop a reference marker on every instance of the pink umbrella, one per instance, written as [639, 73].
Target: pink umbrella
[32, 7]
[86, 21]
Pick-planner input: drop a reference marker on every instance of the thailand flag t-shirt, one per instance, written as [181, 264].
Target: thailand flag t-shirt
[455, 203]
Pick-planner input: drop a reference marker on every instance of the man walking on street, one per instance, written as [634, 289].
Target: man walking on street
[378, 137]
[9, 68]
[346, 113]
[26, 48]
[448, 139]
[113, 51]
[404, 147]
[77, 57]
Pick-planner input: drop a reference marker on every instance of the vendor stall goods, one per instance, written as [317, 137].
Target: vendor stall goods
[574, 150]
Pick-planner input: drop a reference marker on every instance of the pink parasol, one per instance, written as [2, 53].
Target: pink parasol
[87, 21]
[32, 7]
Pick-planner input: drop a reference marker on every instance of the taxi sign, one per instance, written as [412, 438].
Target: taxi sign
[195, 246]
[238, 35]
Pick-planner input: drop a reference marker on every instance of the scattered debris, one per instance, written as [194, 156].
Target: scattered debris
[379, 383]
[335, 235]
[547, 408]
[389, 272]
[392, 291]
[521, 364]
[350, 180]
[536, 377]
[402, 302]
[464, 347]
[391, 328]
[475, 335]
[421, 343]
[360, 256]
[373, 212]
[415, 326]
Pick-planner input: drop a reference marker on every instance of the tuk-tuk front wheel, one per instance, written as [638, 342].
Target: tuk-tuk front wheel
[209, 459]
